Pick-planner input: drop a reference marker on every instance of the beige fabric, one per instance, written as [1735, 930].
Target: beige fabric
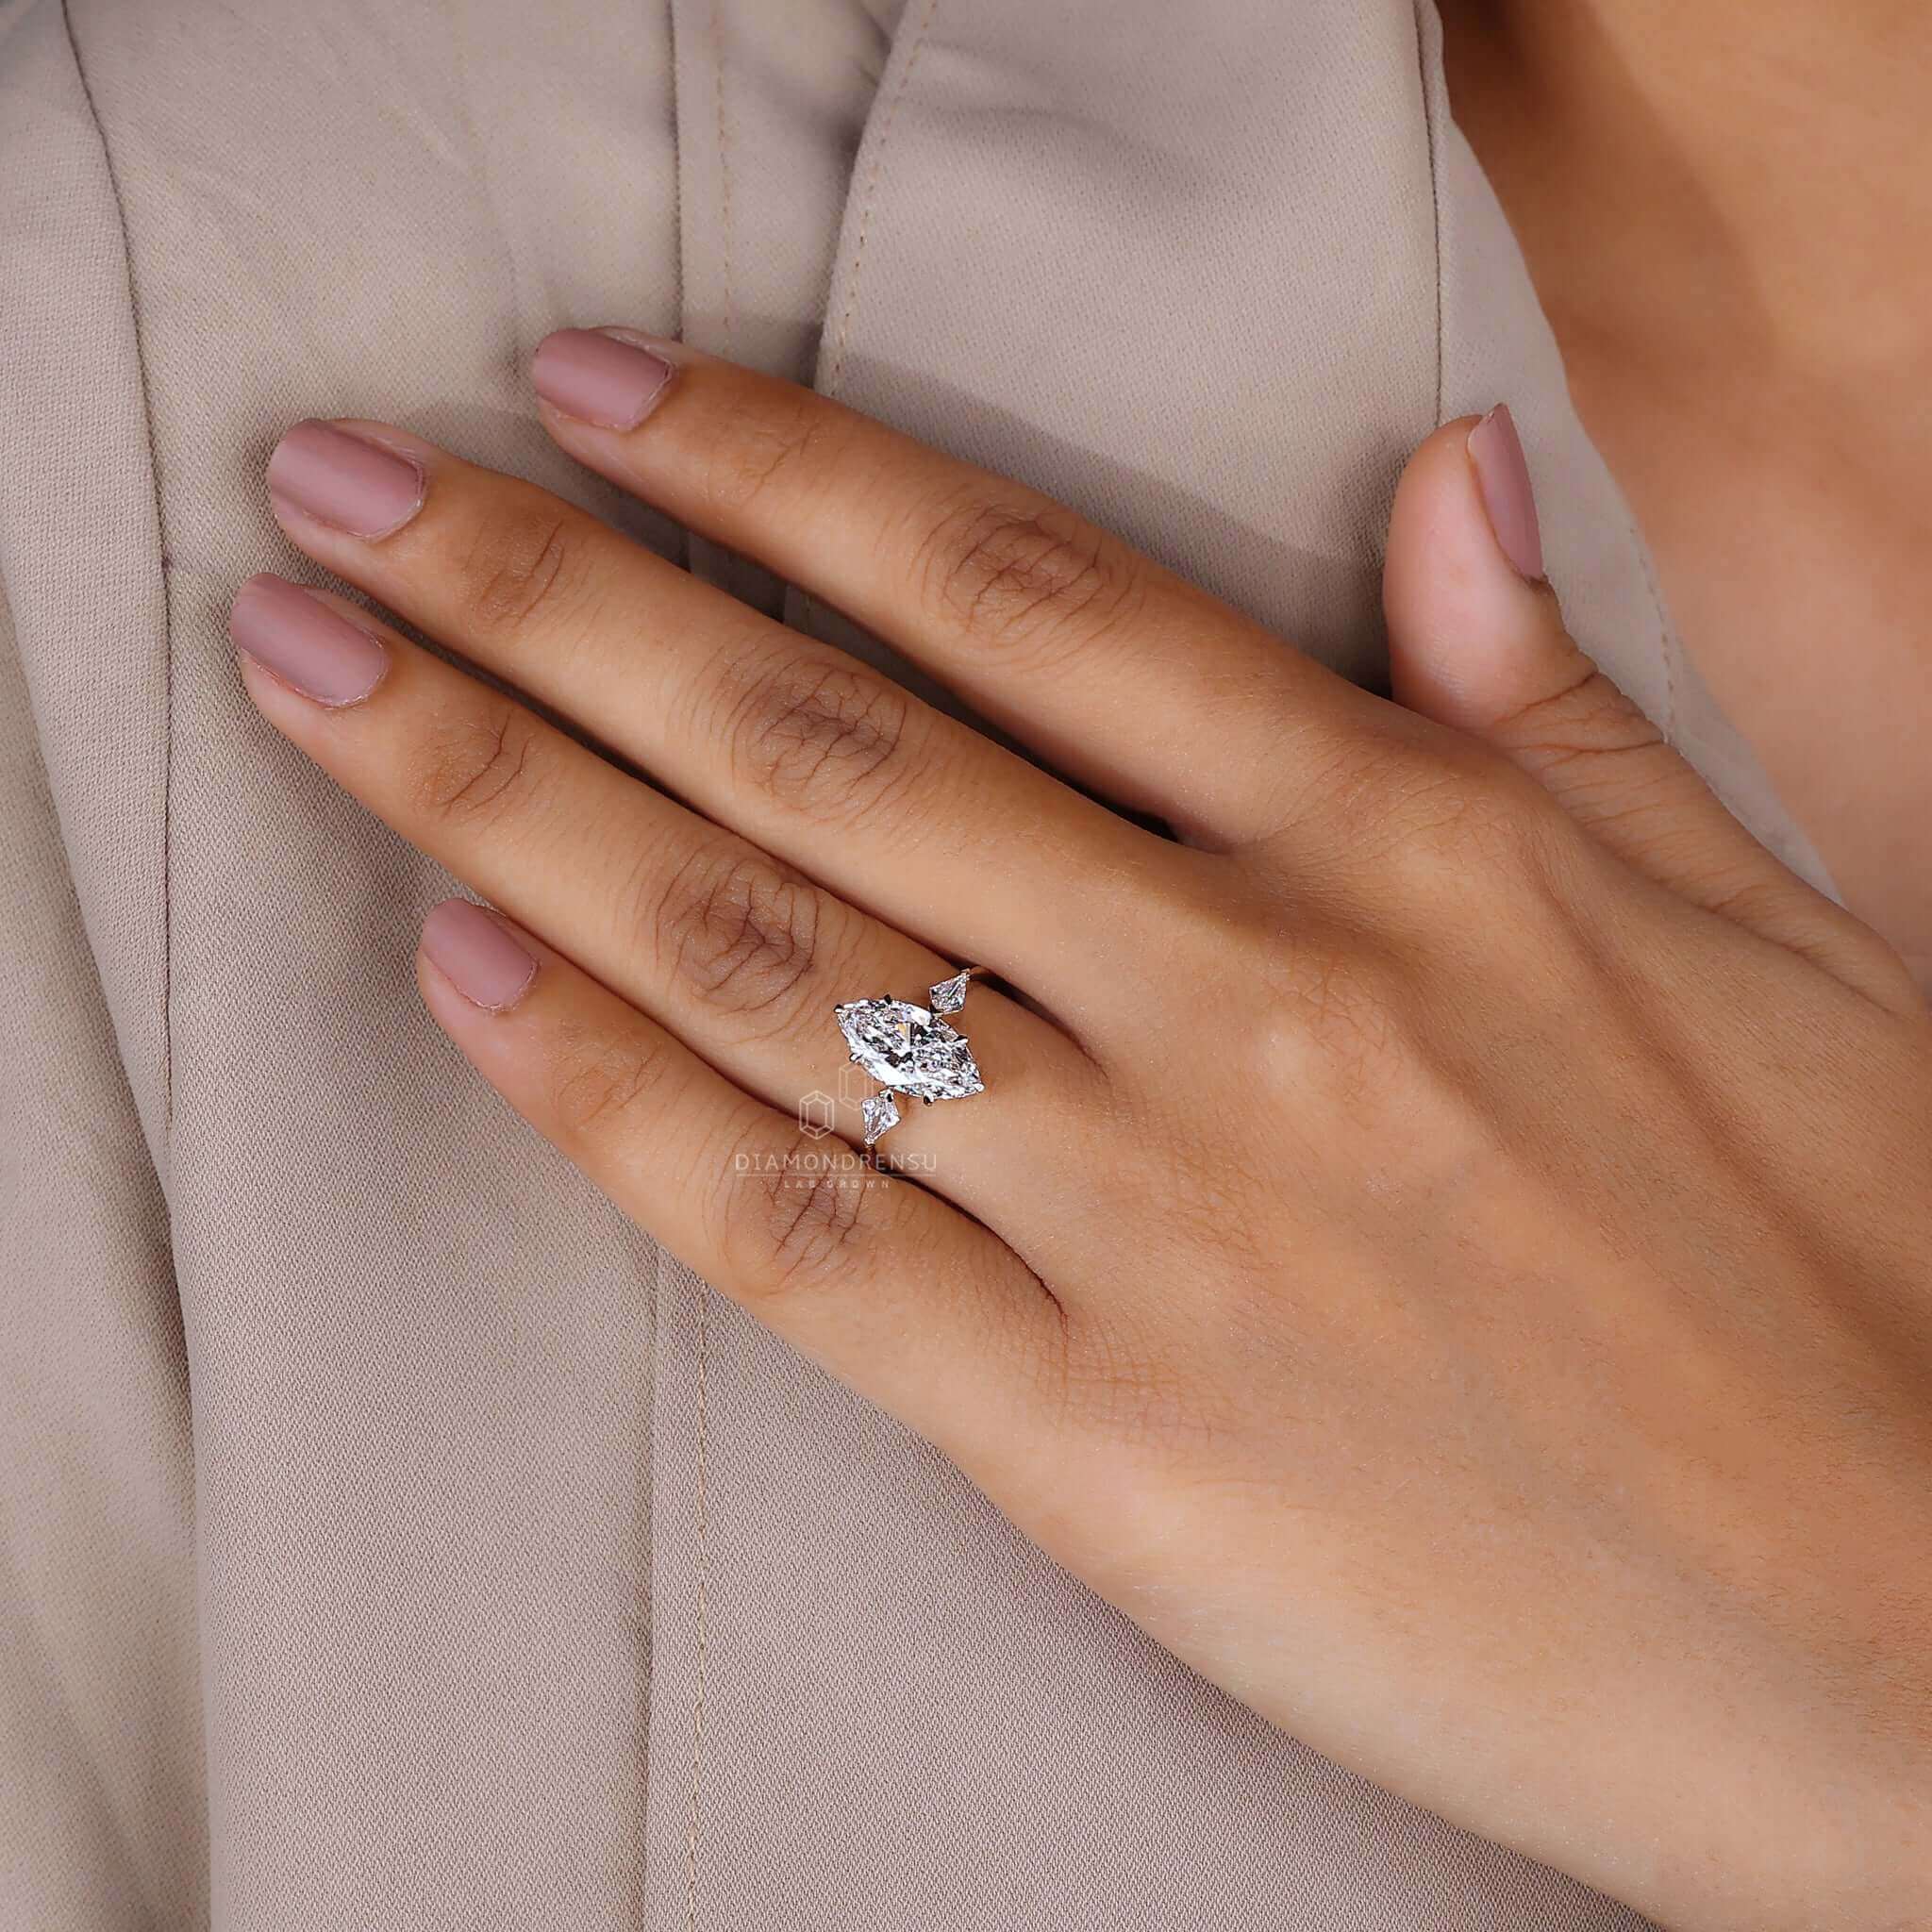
[530, 1584]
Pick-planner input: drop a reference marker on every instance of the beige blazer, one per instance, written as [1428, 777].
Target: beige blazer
[393, 1537]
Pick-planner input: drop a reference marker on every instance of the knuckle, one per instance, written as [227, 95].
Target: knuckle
[524, 560]
[1358, 1040]
[1638, 791]
[824, 739]
[599, 1086]
[1431, 826]
[1470, 816]
[478, 766]
[1335, 1008]
[801, 1231]
[743, 932]
[1025, 578]
[1379, 817]
[1309, 996]
[1585, 716]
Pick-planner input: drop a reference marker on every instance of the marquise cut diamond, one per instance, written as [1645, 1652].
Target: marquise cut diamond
[908, 1048]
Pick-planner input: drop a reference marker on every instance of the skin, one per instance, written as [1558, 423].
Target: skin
[1502, 1359]
[1723, 207]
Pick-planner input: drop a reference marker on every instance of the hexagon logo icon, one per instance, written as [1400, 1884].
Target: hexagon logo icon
[815, 1114]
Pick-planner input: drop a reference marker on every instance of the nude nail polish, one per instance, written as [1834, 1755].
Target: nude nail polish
[358, 486]
[598, 377]
[477, 955]
[1503, 474]
[308, 644]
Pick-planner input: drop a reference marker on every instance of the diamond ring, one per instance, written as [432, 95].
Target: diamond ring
[910, 1050]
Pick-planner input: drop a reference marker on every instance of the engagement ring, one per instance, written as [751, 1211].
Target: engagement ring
[911, 1050]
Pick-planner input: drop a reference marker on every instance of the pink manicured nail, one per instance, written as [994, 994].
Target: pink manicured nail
[597, 377]
[476, 954]
[355, 485]
[1496, 451]
[305, 642]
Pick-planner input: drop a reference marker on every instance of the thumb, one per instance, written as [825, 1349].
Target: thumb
[1477, 640]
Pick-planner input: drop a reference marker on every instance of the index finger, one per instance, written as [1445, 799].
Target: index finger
[1120, 672]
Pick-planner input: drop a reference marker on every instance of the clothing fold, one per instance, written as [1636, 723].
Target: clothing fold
[393, 1537]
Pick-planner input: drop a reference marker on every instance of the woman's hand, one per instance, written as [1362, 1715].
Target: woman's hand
[1443, 1245]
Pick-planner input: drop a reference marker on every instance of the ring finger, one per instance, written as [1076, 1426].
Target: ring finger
[732, 950]
[913, 1303]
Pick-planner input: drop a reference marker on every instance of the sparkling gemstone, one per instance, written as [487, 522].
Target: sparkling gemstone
[906, 1047]
[881, 1111]
[949, 995]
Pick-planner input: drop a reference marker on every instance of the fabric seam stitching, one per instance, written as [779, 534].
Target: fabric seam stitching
[1431, 124]
[148, 410]
[872, 182]
[1667, 636]
[701, 1608]
[724, 167]
[703, 1531]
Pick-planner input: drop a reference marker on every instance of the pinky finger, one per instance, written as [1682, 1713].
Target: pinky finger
[918, 1308]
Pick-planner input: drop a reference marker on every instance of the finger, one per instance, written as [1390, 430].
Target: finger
[915, 1305]
[741, 957]
[1477, 640]
[814, 757]
[1120, 672]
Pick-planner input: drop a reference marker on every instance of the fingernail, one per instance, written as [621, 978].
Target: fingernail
[305, 642]
[598, 378]
[477, 955]
[1496, 451]
[345, 480]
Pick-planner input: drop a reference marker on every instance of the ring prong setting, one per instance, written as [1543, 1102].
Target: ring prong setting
[909, 1050]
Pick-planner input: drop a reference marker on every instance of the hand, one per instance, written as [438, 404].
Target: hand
[1444, 1242]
